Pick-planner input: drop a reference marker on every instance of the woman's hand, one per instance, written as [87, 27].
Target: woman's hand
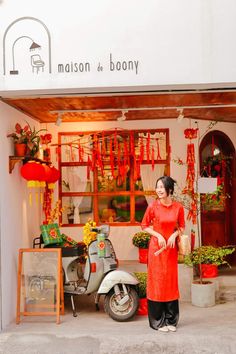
[171, 239]
[161, 241]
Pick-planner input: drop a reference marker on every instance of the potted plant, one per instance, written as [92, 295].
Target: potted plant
[203, 291]
[141, 291]
[26, 140]
[20, 138]
[209, 258]
[141, 240]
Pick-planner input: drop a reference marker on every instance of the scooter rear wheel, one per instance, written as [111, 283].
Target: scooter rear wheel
[123, 312]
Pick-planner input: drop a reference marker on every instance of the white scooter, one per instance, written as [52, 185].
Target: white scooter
[99, 275]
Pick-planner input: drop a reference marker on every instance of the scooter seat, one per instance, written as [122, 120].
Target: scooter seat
[71, 251]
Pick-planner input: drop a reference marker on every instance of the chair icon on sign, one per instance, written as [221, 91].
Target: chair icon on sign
[37, 63]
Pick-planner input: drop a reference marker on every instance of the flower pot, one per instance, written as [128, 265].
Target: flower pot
[143, 255]
[20, 149]
[143, 308]
[209, 270]
[203, 294]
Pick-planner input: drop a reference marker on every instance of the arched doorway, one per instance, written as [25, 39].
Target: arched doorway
[218, 212]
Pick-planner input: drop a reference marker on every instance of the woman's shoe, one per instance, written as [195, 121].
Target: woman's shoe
[163, 329]
[171, 328]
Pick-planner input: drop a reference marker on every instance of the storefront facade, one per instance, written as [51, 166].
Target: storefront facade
[98, 49]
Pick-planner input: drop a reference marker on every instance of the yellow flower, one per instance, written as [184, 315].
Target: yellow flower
[88, 235]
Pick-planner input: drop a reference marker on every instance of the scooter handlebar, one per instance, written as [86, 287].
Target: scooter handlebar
[104, 229]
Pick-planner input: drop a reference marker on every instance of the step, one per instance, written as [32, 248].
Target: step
[227, 294]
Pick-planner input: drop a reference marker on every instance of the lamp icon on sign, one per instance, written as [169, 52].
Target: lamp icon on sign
[35, 59]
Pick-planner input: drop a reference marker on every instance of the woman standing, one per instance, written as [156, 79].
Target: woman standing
[163, 219]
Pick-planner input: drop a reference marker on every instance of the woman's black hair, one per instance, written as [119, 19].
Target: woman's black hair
[168, 182]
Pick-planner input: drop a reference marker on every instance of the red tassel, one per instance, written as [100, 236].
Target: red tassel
[103, 146]
[153, 161]
[158, 150]
[126, 153]
[82, 154]
[132, 148]
[88, 168]
[148, 147]
[141, 150]
[118, 154]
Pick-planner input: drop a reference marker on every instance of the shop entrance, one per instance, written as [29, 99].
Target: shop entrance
[218, 215]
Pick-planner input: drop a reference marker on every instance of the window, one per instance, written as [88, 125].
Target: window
[109, 176]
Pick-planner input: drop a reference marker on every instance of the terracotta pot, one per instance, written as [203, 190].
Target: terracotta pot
[209, 270]
[20, 149]
[143, 308]
[143, 255]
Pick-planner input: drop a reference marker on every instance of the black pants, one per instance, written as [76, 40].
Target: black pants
[163, 313]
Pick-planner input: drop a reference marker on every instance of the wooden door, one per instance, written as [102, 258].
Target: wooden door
[217, 159]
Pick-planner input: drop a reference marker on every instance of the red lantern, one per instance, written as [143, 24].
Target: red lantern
[34, 173]
[53, 177]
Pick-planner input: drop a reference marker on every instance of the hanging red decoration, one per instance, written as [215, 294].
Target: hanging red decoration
[148, 147]
[141, 150]
[153, 162]
[117, 149]
[45, 140]
[158, 150]
[34, 173]
[190, 161]
[47, 196]
[191, 133]
[88, 168]
[53, 177]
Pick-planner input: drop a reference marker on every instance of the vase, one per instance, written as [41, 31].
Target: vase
[143, 308]
[203, 294]
[209, 270]
[20, 149]
[143, 255]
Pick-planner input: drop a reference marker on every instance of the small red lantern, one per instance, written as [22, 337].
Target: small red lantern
[53, 177]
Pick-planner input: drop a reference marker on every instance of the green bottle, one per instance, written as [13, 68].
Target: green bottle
[101, 245]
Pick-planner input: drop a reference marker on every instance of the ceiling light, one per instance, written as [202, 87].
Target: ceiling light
[59, 120]
[123, 116]
[181, 115]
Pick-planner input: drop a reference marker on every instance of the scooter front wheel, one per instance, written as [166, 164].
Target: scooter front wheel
[121, 312]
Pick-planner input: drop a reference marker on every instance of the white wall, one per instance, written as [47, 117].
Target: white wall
[122, 236]
[19, 222]
[175, 43]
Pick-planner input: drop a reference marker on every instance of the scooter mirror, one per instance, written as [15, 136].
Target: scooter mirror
[105, 229]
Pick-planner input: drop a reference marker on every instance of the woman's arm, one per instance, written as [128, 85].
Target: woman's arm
[160, 238]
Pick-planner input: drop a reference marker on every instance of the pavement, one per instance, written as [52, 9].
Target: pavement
[201, 331]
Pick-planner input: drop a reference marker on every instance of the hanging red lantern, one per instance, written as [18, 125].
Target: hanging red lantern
[34, 173]
[53, 177]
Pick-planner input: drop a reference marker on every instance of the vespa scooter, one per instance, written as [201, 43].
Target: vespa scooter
[96, 273]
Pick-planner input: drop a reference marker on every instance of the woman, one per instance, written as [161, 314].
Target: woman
[163, 219]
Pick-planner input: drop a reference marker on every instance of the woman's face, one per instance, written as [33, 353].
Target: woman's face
[160, 190]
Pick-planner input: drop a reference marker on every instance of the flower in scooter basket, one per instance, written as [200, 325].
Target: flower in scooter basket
[88, 235]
